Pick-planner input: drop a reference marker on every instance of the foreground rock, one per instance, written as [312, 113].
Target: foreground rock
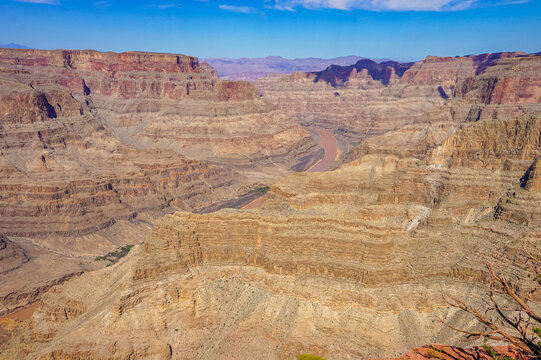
[446, 352]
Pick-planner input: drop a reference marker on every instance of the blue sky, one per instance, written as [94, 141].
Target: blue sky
[398, 29]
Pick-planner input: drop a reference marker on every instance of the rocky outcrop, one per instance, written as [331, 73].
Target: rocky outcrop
[531, 181]
[446, 352]
[365, 69]
[508, 88]
[93, 148]
[76, 190]
[63, 174]
[349, 263]
[11, 255]
[446, 71]
[26, 271]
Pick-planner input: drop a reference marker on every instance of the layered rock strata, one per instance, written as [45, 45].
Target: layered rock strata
[63, 173]
[414, 107]
[351, 263]
[174, 102]
[93, 148]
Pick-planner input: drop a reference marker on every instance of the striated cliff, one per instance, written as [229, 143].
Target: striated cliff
[63, 173]
[365, 69]
[173, 101]
[406, 109]
[94, 146]
[351, 263]
[75, 190]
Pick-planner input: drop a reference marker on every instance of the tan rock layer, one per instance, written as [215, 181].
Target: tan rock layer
[350, 263]
[431, 99]
[171, 101]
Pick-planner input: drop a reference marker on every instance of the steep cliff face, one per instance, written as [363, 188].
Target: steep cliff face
[365, 69]
[431, 97]
[347, 264]
[77, 192]
[94, 146]
[77, 178]
[446, 71]
[351, 263]
[62, 173]
[172, 101]
[508, 88]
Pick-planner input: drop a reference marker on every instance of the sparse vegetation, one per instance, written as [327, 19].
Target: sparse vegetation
[310, 357]
[493, 354]
[259, 189]
[114, 256]
[510, 316]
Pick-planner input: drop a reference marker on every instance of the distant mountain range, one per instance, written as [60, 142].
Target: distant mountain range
[255, 68]
[14, 46]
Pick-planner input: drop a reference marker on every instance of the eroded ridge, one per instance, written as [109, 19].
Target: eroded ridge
[348, 263]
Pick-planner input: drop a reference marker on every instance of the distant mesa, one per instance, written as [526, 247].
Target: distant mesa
[383, 71]
[14, 46]
[256, 68]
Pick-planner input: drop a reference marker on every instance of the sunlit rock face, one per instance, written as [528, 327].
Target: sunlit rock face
[173, 101]
[409, 108]
[95, 146]
[350, 263]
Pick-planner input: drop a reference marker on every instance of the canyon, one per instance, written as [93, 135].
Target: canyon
[94, 147]
[429, 170]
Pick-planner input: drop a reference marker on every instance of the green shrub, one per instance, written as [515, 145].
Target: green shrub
[310, 357]
[493, 354]
[260, 189]
[116, 255]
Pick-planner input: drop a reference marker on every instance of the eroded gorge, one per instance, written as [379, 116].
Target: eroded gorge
[347, 254]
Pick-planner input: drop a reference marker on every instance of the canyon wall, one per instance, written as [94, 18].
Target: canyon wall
[174, 102]
[94, 146]
[406, 109]
[351, 263]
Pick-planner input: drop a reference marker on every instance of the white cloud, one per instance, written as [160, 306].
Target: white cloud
[46, 2]
[101, 4]
[389, 5]
[240, 9]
